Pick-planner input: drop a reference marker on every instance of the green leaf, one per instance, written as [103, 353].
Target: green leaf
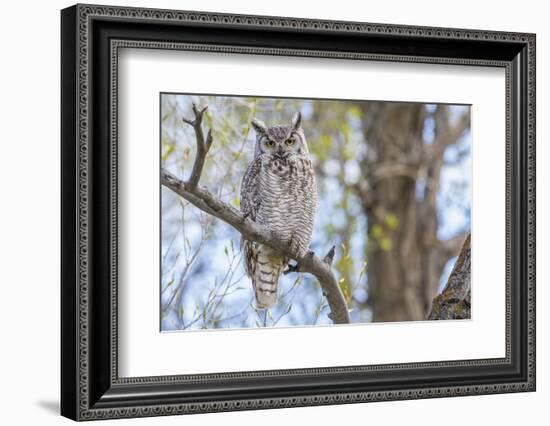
[347, 153]
[392, 221]
[168, 151]
[186, 152]
[385, 244]
[346, 131]
[355, 111]
[377, 231]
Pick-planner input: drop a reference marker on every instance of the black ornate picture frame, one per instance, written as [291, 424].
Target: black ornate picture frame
[90, 385]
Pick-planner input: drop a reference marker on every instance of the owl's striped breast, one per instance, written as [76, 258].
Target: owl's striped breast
[288, 199]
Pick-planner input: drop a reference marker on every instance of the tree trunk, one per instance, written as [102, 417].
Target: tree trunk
[454, 302]
[401, 174]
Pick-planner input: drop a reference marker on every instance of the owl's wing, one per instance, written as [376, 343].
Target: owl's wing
[250, 199]
[249, 203]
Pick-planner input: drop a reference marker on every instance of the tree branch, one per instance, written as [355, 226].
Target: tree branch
[461, 125]
[201, 198]
[203, 145]
[445, 134]
[388, 170]
[454, 302]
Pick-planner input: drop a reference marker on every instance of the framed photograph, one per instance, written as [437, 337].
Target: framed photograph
[263, 212]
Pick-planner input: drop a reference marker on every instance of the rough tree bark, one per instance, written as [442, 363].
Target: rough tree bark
[398, 190]
[201, 198]
[454, 302]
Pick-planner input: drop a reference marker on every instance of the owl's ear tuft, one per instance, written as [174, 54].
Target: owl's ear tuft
[259, 126]
[297, 121]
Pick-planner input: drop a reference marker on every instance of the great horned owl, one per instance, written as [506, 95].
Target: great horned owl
[278, 191]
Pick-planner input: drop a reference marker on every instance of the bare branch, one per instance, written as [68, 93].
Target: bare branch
[462, 124]
[201, 198]
[329, 257]
[446, 134]
[388, 170]
[189, 263]
[203, 145]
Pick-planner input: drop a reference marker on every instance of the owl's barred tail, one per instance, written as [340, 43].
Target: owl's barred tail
[269, 267]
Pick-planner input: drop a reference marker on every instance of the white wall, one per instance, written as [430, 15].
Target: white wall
[29, 225]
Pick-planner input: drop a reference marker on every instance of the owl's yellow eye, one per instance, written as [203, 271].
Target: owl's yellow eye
[269, 143]
[289, 142]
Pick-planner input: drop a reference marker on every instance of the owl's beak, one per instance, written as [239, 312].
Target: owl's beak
[280, 152]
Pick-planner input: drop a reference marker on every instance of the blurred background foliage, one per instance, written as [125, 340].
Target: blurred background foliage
[394, 195]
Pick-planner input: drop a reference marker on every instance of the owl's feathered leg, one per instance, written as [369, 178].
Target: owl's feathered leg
[264, 267]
